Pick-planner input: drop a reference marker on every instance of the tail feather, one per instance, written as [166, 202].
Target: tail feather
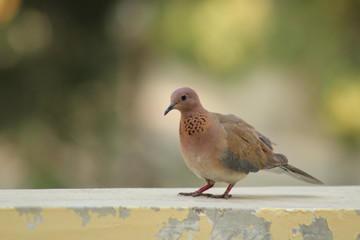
[299, 174]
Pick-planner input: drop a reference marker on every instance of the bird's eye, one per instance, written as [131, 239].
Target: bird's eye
[183, 97]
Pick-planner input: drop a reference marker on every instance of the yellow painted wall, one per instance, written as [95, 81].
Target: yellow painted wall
[180, 223]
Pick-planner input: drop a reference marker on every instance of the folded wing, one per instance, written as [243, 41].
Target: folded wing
[248, 150]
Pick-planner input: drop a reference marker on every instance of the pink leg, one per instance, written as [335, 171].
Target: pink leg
[200, 191]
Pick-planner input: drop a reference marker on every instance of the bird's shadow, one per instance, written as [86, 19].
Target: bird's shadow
[259, 197]
[272, 196]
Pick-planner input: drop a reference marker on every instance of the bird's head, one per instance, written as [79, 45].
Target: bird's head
[185, 100]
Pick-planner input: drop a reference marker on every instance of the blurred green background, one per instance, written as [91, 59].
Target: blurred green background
[84, 84]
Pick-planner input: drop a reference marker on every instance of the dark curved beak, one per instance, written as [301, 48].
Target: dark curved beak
[171, 106]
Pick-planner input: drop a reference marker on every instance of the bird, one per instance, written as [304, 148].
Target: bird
[224, 148]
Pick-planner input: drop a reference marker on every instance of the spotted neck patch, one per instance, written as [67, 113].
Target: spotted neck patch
[194, 124]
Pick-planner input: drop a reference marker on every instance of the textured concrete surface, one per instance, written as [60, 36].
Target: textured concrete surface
[252, 213]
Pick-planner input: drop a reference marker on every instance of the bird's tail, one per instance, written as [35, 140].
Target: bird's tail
[294, 172]
[299, 174]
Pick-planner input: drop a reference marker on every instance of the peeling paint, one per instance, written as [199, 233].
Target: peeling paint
[33, 216]
[199, 210]
[240, 223]
[318, 229]
[85, 213]
[104, 211]
[156, 209]
[174, 229]
[283, 221]
[124, 212]
[179, 223]
[224, 224]
[343, 224]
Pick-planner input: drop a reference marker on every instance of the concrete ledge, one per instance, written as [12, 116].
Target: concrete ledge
[253, 213]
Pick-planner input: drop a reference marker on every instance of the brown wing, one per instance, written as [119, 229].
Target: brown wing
[248, 150]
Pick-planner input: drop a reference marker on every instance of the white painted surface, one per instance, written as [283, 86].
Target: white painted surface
[344, 197]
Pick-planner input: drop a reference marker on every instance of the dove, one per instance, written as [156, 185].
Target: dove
[224, 148]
